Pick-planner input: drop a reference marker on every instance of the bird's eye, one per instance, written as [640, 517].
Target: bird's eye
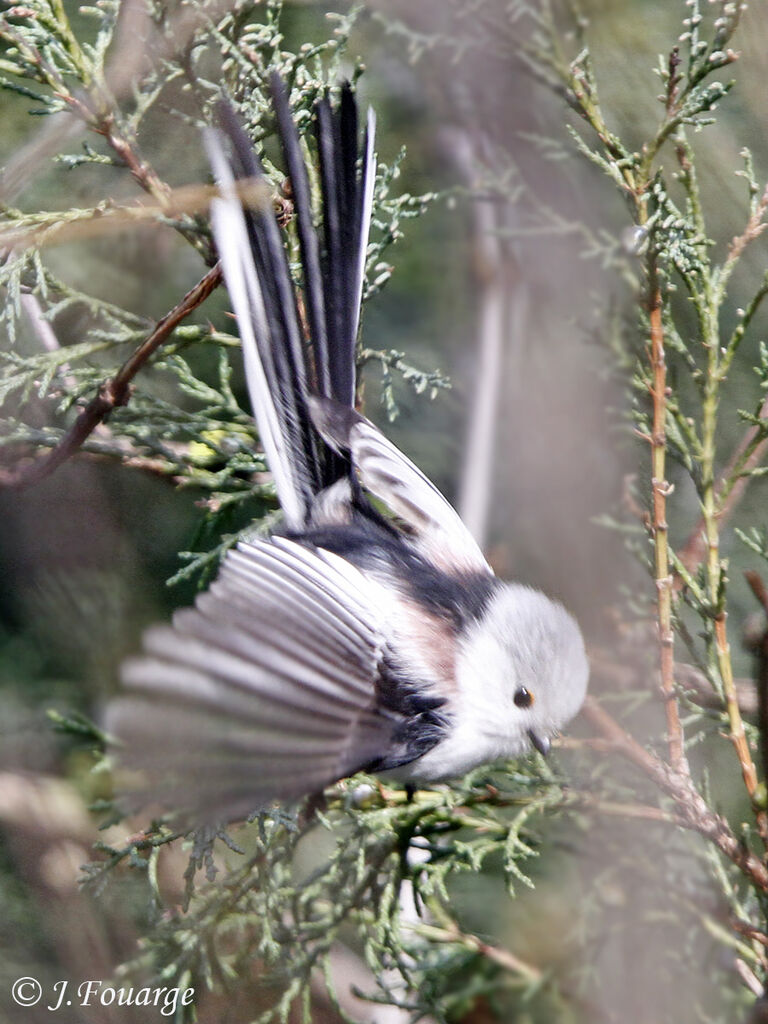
[523, 698]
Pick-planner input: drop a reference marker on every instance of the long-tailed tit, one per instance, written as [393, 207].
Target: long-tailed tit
[371, 633]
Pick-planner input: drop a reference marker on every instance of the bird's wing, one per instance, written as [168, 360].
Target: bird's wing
[264, 690]
[434, 526]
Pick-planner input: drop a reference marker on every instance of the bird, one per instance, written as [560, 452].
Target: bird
[368, 632]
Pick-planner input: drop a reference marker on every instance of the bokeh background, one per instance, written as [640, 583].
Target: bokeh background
[85, 555]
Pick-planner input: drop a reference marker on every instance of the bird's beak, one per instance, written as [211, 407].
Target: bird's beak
[541, 743]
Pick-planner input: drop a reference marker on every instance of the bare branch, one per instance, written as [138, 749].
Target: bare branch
[113, 393]
[693, 809]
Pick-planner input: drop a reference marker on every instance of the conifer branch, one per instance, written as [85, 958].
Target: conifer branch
[112, 393]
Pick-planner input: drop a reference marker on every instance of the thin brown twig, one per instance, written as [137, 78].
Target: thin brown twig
[659, 528]
[749, 930]
[755, 227]
[714, 567]
[759, 589]
[696, 682]
[113, 392]
[639, 812]
[694, 812]
[186, 200]
[620, 674]
[503, 957]
[142, 172]
[694, 550]
[738, 734]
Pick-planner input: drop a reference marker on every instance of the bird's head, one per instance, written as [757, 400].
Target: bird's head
[523, 666]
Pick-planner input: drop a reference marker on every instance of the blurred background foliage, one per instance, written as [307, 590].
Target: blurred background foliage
[624, 921]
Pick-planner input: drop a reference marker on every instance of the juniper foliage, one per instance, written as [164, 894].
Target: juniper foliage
[89, 80]
[392, 874]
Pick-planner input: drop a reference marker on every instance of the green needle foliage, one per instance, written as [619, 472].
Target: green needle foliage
[192, 430]
[391, 879]
[274, 910]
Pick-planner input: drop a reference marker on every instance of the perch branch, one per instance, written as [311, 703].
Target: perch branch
[659, 527]
[692, 808]
[503, 957]
[48, 229]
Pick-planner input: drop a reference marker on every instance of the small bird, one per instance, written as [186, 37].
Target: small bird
[370, 634]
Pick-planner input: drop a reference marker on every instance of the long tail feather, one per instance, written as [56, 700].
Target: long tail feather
[247, 298]
[314, 297]
[344, 216]
[253, 254]
[368, 184]
[256, 272]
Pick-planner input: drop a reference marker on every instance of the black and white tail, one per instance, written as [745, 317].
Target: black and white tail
[285, 362]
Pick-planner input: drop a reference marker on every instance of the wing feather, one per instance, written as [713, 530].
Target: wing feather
[434, 526]
[265, 689]
[241, 594]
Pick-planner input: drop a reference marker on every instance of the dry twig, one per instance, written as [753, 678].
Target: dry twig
[659, 528]
[693, 809]
[114, 392]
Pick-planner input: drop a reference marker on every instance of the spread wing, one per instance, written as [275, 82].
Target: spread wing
[435, 527]
[264, 690]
